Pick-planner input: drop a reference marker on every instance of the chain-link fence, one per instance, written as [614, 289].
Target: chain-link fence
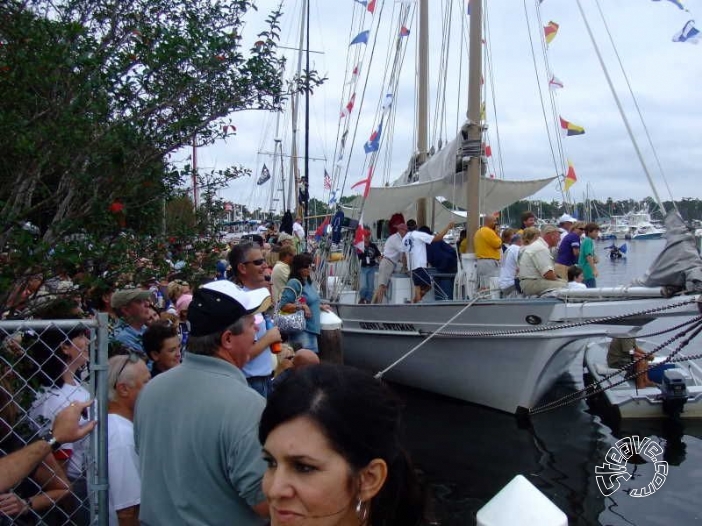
[44, 366]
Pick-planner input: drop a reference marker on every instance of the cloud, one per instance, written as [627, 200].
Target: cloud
[664, 77]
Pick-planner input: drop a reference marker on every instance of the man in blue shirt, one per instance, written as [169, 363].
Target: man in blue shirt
[569, 247]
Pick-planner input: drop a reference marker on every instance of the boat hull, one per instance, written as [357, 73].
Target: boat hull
[511, 375]
[651, 235]
[505, 372]
[477, 357]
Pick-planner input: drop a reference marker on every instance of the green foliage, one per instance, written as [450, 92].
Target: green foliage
[94, 96]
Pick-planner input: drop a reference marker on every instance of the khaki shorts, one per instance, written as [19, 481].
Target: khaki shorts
[486, 269]
[535, 287]
[561, 271]
[385, 270]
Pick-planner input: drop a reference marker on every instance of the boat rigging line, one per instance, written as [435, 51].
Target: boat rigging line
[490, 72]
[560, 156]
[439, 332]
[695, 327]
[636, 105]
[546, 328]
[621, 109]
[379, 375]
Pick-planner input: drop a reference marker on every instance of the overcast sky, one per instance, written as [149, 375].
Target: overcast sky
[665, 77]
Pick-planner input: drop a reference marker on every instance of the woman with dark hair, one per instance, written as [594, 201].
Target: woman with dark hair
[300, 294]
[330, 437]
[162, 345]
[61, 355]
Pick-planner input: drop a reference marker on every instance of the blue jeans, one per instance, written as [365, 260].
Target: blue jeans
[308, 340]
[590, 283]
[260, 384]
[367, 283]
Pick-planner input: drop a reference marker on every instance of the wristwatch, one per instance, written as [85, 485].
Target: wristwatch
[50, 439]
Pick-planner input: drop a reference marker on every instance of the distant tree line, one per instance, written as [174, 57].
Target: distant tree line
[595, 210]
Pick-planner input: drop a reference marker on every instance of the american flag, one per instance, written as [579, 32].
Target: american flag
[327, 180]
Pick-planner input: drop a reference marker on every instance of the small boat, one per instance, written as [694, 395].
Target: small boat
[641, 226]
[679, 393]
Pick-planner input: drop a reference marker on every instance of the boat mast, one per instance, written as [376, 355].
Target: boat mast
[474, 127]
[306, 178]
[422, 100]
[294, 169]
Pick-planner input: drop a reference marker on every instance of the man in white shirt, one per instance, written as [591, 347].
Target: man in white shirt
[126, 376]
[390, 262]
[510, 266]
[298, 232]
[536, 267]
[414, 244]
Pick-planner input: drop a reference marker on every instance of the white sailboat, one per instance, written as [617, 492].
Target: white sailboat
[501, 353]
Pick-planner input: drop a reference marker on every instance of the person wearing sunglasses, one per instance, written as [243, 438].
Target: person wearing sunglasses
[195, 425]
[301, 294]
[250, 270]
[126, 376]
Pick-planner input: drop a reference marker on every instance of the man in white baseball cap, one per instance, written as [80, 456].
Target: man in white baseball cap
[201, 418]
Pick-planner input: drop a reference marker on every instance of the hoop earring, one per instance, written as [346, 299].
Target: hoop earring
[362, 511]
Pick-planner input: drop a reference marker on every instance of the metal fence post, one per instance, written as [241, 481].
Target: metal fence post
[101, 371]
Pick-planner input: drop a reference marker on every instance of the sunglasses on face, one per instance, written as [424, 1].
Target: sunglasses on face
[132, 357]
[256, 262]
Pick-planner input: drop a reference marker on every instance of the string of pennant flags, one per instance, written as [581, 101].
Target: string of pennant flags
[373, 143]
[568, 129]
[688, 34]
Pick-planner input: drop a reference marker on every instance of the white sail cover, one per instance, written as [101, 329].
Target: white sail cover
[438, 177]
[496, 194]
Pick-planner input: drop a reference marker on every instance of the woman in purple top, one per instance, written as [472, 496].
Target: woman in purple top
[569, 250]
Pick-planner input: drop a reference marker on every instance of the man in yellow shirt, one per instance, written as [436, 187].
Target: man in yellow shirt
[488, 251]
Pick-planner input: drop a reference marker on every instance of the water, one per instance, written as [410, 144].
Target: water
[468, 453]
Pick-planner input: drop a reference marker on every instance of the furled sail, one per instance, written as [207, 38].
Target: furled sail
[439, 177]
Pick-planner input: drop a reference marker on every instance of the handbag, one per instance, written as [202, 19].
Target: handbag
[290, 322]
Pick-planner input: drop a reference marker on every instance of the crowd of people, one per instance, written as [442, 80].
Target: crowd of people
[528, 261]
[214, 415]
[532, 261]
